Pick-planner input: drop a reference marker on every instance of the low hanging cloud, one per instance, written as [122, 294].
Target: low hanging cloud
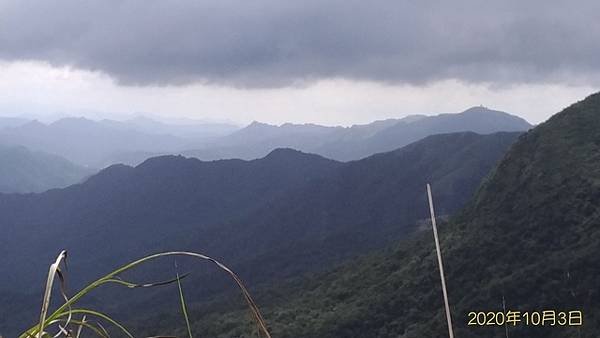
[275, 43]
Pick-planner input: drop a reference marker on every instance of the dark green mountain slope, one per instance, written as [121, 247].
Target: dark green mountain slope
[23, 171]
[530, 235]
[368, 203]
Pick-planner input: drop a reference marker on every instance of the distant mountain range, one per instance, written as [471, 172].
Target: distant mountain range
[356, 142]
[528, 241]
[97, 144]
[275, 217]
[24, 171]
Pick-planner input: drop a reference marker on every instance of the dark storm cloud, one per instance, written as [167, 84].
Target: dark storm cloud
[278, 43]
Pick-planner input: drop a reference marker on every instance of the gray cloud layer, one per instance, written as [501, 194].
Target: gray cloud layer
[271, 43]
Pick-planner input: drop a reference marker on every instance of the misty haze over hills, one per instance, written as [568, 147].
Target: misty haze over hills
[24, 171]
[94, 145]
[189, 129]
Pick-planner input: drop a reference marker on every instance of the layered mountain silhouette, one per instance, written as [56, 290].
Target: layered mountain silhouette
[24, 171]
[98, 144]
[526, 242]
[270, 218]
[355, 142]
[85, 142]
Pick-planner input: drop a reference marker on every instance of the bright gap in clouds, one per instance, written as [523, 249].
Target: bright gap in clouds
[39, 90]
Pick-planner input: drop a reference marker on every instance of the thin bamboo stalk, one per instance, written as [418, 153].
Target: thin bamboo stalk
[439, 257]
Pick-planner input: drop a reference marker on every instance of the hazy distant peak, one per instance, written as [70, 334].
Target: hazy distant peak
[72, 119]
[480, 111]
[388, 122]
[288, 126]
[165, 160]
[283, 155]
[295, 125]
[256, 129]
[257, 124]
[308, 125]
[73, 122]
[286, 154]
[412, 118]
[485, 110]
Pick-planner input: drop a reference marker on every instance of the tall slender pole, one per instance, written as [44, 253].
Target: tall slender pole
[439, 257]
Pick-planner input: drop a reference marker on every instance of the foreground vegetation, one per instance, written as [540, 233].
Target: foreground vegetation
[69, 320]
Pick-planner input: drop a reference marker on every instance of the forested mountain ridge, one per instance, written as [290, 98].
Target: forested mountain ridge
[271, 218]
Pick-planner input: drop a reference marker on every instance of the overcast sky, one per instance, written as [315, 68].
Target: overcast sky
[331, 62]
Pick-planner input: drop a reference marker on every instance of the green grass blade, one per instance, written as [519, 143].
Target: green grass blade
[48, 292]
[101, 315]
[131, 285]
[80, 328]
[63, 309]
[182, 301]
